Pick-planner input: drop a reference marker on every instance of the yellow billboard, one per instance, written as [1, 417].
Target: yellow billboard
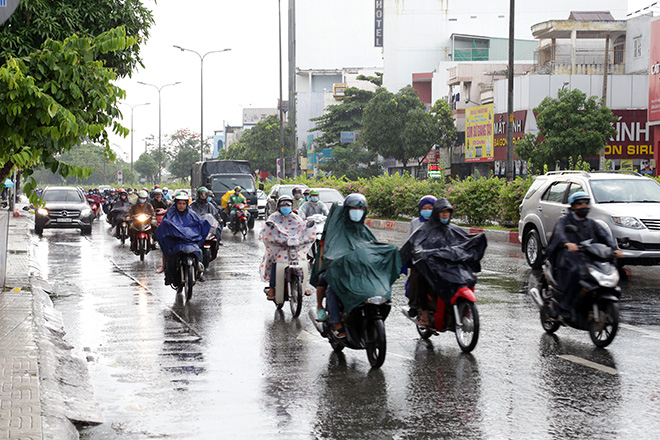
[479, 133]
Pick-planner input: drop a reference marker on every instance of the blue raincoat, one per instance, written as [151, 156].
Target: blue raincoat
[182, 232]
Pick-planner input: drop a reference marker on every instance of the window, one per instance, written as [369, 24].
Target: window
[637, 47]
[556, 192]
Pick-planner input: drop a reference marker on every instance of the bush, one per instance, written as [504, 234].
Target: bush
[512, 195]
[477, 200]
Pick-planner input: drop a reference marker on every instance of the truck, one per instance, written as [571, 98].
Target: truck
[221, 176]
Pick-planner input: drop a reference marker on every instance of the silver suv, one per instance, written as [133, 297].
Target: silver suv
[626, 204]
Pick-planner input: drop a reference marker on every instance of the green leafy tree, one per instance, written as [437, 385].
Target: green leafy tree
[446, 128]
[182, 163]
[571, 125]
[54, 98]
[147, 167]
[35, 21]
[261, 145]
[352, 161]
[397, 126]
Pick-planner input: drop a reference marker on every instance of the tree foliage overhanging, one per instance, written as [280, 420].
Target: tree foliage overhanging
[571, 125]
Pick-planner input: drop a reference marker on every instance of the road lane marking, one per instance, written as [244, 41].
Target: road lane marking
[650, 333]
[586, 363]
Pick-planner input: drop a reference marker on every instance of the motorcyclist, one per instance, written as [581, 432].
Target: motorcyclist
[158, 202]
[313, 206]
[132, 195]
[141, 207]
[119, 209]
[181, 229]
[291, 231]
[236, 199]
[166, 194]
[443, 257]
[306, 194]
[563, 249]
[108, 200]
[297, 198]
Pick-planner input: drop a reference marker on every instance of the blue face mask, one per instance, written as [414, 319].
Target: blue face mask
[426, 213]
[314, 199]
[142, 200]
[355, 214]
[285, 210]
[444, 221]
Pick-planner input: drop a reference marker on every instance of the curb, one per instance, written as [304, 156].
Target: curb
[492, 235]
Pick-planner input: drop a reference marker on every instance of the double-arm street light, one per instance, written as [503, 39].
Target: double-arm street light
[132, 107]
[159, 120]
[201, 100]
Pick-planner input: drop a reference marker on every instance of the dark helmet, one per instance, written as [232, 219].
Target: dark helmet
[356, 200]
[297, 192]
[284, 199]
[579, 196]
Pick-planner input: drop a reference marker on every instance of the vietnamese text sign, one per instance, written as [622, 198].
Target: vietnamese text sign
[7, 8]
[634, 138]
[346, 137]
[479, 133]
[500, 126]
[654, 74]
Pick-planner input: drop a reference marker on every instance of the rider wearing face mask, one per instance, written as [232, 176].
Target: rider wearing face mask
[313, 206]
[425, 210]
[142, 206]
[562, 248]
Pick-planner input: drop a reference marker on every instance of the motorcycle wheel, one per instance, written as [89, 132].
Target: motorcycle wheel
[123, 234]
[467, 334]
[549, 324]
[182, 277]
[206, 259]
[424, 332]
[295, 296]
[189, 280]
[244, 228]
[142, 245]
[336, 346]
[602, 333]
[376, 344]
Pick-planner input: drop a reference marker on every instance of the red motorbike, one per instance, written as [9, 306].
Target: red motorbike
[160, 213]
[240, 223]
[143, 233]
[210, 247]
[95, 205]
[461, 317]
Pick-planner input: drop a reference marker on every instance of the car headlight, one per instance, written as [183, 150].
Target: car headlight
[628, 222]
[43, 211]
[85, 212]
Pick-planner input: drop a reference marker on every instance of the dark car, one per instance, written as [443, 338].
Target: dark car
[65, 207]
[276, 192]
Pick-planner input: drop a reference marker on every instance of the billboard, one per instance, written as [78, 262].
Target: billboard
[654, 74]
[634, 137]
[479, 134]
[500, 126]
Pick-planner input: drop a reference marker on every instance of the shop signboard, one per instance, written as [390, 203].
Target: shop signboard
[479, 133]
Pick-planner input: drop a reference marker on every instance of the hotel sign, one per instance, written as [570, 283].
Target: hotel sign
[378, 29]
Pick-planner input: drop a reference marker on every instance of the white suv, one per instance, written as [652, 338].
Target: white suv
[626, 204]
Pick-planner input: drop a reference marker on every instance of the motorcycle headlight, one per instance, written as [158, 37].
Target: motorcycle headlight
[605, 279]
[43, 211]
[377, 300]
[143, 218]
[628, 222]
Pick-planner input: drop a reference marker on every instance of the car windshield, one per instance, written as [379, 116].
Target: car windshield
[62, 195]
[261, 195]
[330, 195]
[226, 183]
[626, 191]
[288, 190]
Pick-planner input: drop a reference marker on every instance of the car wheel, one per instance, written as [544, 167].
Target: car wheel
[533, 249]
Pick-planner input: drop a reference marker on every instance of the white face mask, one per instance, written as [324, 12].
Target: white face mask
[356, 214]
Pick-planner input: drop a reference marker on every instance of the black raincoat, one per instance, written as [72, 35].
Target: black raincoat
[444, 253]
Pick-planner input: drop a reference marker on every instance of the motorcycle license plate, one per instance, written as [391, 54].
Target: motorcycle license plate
[64, 220]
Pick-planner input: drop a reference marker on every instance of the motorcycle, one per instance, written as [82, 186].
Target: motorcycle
[96, 207]
[240, 223]
[462, 318]
[290, 280]
[596, 309]
[364, 326]
[122, 232]
[187, 271]
[210, 247]
[142, 225]
[160, 213]
[318, 221]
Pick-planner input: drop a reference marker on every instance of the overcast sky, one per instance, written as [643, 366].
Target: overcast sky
[246, 76]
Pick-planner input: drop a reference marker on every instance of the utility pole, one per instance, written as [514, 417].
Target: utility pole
[601, 161]
[279, 16]
[510, 173]
[292, 83]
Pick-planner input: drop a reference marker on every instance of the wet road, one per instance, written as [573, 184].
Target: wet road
[227, 365]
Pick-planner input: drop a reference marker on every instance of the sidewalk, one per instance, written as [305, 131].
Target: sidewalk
[34, 391]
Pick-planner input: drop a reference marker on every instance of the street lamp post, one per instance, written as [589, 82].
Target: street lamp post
[159, 120]
[201, 100]
[132, 107]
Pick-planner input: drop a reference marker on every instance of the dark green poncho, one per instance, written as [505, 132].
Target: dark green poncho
[354, 264]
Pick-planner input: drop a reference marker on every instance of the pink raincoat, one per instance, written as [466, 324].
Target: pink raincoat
[281, 232]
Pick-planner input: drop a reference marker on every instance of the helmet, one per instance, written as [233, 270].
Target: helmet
[144, 188]
[122, 192]
[356, 200]
[202, 189]
[143, 194]
[211, 193]
[237, 188]
[181, 195]
[314, 192]
[307, 191]
[579, 196]
[156, 186]
[165, 189]
[427, 199]
[296, 190]
[158, 191]
[284, 199]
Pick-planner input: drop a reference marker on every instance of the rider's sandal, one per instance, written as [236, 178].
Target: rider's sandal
[269, 297]
[340, 332]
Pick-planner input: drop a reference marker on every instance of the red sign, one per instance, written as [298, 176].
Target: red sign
[654, 74]
[499, 128]
[634, 138]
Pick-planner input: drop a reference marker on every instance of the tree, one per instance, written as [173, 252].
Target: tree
[261, 145]
[353, 161]
[54, 98]
[147, 167]
[182, 163]
[571, 125]
[36, 21]
[397, 125]
[446, 127]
